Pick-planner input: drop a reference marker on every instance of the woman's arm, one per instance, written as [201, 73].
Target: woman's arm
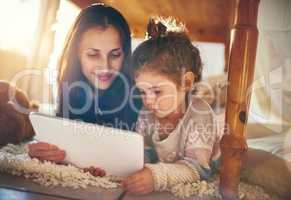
[49, 152]
[44, 151]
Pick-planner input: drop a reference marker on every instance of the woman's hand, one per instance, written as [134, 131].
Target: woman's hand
[95, 171]
[141, 182]
[44, 151]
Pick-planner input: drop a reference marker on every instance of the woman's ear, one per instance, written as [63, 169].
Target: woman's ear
[188, 81]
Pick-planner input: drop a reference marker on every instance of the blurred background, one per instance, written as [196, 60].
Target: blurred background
[33, 32]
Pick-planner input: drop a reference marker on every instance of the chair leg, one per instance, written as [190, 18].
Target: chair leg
[242, 54]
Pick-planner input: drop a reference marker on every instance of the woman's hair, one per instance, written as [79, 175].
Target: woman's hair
[96, 15]
[167, 50]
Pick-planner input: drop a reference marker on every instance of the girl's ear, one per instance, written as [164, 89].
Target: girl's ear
[188, 81]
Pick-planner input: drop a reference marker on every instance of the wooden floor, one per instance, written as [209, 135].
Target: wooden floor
[19, 188]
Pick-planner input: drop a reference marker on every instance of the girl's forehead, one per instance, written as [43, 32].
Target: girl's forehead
[152, 80]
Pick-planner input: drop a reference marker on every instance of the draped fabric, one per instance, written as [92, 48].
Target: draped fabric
[272, 94]
[271, 97]
[35, 81]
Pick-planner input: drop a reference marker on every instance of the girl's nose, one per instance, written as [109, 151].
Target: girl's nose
[149, 101]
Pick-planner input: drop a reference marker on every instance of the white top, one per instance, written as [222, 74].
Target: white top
[195, 138]
[167, 149]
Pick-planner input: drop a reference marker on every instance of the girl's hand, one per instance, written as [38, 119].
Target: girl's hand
[141, 182]
[44, 151]
[95, 171]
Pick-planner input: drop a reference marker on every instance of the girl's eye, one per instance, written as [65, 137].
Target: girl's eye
[158, 92]
[142, 93]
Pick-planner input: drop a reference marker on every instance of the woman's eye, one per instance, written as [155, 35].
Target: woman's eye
[115, 55]
[92, 54]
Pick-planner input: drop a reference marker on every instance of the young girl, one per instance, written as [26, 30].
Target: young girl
[177, 126]
[94, 77]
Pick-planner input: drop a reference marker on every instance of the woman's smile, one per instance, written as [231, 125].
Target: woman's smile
[105, 77]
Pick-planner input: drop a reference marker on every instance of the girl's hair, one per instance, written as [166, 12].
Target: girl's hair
[99, 15]
[167, 50]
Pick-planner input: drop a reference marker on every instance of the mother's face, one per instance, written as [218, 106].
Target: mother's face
[101, 55]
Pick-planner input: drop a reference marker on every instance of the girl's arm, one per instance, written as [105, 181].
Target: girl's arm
[160, 177]
[167, 175]
[200, 148]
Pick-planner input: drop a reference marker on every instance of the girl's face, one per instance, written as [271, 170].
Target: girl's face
[159, 94]
[101, 55]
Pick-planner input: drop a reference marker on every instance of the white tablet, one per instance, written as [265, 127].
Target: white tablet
[118, 152]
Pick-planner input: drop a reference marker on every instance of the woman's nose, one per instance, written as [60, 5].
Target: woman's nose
[103, 63]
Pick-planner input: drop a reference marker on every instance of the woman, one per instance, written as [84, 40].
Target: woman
[95, 83]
